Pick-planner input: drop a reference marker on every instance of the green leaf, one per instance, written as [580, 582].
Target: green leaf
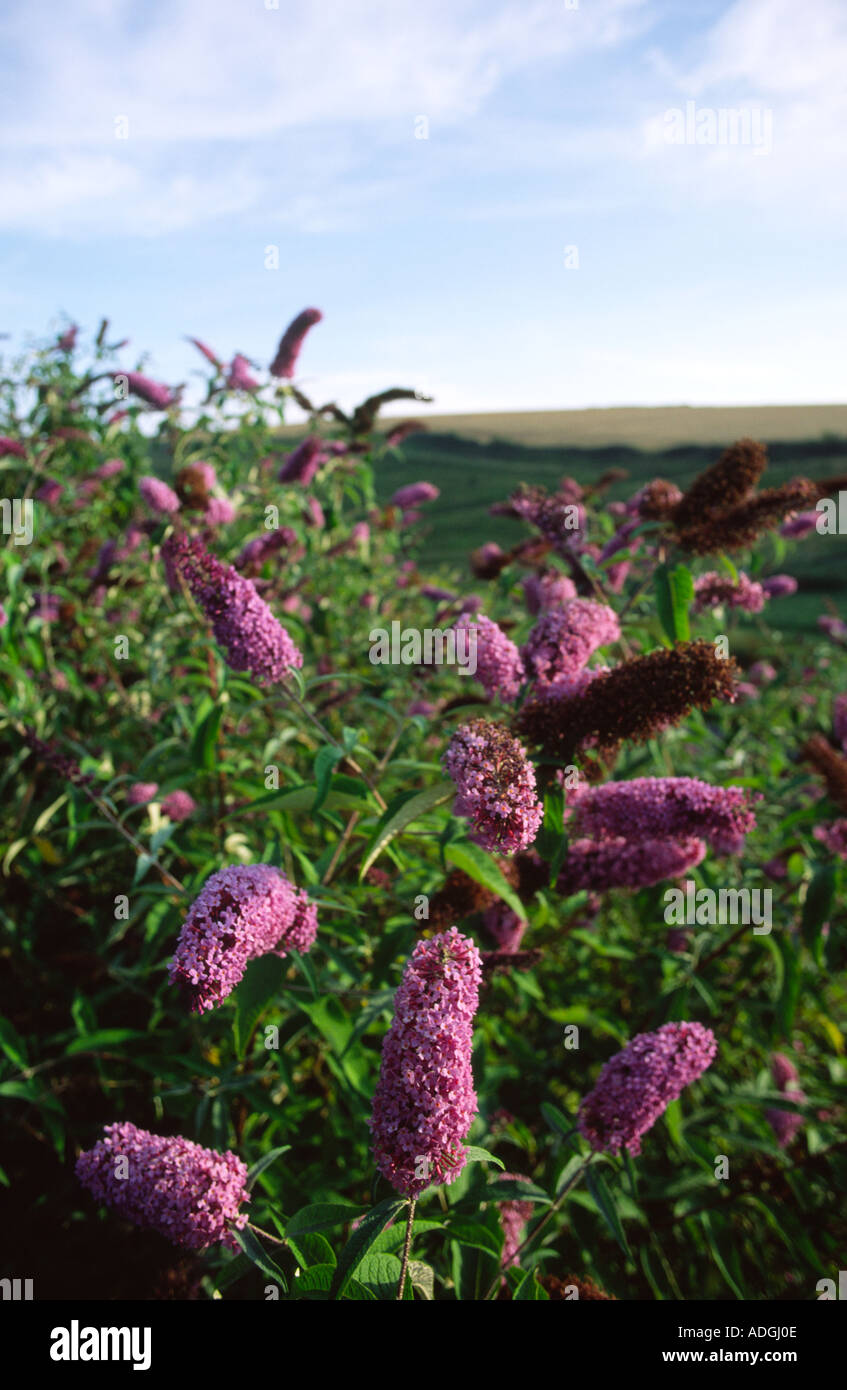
[329, 1017]
[362, 1239]
[817, 907]
[320, 1216]
[12, 1043]
[674, 590]
[254, 1251]
[509, 1190]
[476, 1236]
[605, 1204]
[479, 866]
[262, 982]
[104, 1037]
[311, 1249]
[265, 1162]
[325, 760]
[559, 1123]
[344, 795]
[530, 1290]
[474, 1154]
[381, 1274]
[399, 814]
[205, 738]
[422, 1278]
[391, 1239]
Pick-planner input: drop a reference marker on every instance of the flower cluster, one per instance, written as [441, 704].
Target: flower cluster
[833, 836]
[558, 516]
[514, 1215]
[499, 669]
[425, 1101]
[505, 927]
[242, 623]
[713, 589]
[563, 639]
[159, 497]
[167, 1184]
[241, 912]
[651, 808]
[786, 1124]
[621, 863]
[637, 1085]
[550, 589]
[495, 786]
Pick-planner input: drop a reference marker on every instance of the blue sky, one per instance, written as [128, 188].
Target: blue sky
[708, 273]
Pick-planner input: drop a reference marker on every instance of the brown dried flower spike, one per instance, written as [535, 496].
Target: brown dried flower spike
[635, 700]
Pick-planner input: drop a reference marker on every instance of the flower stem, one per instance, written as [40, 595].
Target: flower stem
[407, 1245]
[551, 1211]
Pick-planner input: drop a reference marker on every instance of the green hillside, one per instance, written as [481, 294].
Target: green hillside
[472, 476]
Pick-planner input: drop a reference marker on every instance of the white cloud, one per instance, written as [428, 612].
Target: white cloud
[262, 98]
[787, 61]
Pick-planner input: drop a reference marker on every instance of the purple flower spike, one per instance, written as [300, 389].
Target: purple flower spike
[242, 912]
[638, 1084]
[425, 1100]
[495, 785]
[189, 1194]
[243, 624]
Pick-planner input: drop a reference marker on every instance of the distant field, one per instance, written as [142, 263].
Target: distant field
[644, 427]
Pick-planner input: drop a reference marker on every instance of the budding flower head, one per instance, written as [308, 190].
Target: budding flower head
[550, 589]
[637, 1085]
[141, 792]
[178, 805]
[713, 589]
[155, 393]
[831, 766]
[291, 342]
[780, 585]
[425, 1101]
[495, 785]
[514, 1215]
[189, 1194]
[656, 501]
[243, 624]
[413, 494]
[301, 465]
[242, 911]
[159, 497]
[239, 377]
